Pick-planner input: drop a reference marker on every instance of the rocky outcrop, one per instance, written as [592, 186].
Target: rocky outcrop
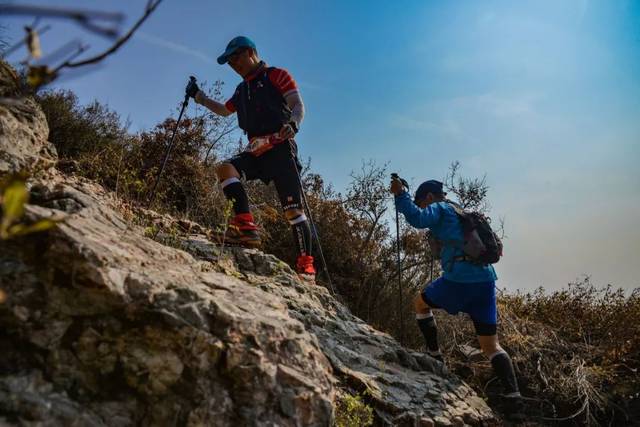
[104, 326]
[23, 128]
[122, 326]
[404, 387]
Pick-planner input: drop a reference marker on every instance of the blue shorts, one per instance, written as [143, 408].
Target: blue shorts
[478, 299]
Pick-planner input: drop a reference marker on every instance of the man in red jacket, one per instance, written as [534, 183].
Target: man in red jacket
[270, 111]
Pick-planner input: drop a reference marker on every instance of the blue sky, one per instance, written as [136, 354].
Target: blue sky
[543, 97]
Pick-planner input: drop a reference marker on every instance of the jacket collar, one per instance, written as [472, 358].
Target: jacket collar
[261, 67]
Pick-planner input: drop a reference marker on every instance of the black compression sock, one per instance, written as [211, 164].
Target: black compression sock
[503, 367]
[301, 234]
[233, 190]
[429, 331]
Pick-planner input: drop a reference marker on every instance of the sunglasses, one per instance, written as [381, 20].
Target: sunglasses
[237, 53]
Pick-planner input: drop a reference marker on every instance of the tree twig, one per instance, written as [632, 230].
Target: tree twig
[84, 18]
[122, 40]
[19, 44]
[224, 133]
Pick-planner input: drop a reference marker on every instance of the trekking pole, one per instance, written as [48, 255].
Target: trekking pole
[431, 268]
[395, 176]
[313, 224]
[166, 155]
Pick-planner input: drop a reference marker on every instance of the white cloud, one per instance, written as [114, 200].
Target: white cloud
[175, 47]
[500, 106]
[406, 122]
[304, 84]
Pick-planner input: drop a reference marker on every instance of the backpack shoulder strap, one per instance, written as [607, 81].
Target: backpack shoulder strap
[458, 210]
[456, 207]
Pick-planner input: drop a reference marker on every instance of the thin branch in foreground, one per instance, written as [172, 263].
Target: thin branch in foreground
[24, 40]
[118, 44]
[84, 18]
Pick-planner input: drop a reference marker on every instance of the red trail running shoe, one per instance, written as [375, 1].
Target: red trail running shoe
[304, 265]
[240, 231]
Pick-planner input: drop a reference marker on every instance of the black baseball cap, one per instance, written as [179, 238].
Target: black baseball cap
[431, 186]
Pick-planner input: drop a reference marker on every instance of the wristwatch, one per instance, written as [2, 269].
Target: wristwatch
[294, 126]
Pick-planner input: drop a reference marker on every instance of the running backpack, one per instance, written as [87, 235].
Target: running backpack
[481, 244]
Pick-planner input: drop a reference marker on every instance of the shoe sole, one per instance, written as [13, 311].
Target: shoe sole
[221, 239]
[307, 277]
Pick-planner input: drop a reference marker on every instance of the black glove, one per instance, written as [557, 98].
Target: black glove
[403, 181]
[398, 185]
[192, 88]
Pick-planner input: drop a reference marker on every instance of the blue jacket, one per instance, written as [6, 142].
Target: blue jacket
[443, 222]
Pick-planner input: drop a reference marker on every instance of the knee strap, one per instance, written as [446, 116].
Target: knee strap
[298, 219]
[229, 181]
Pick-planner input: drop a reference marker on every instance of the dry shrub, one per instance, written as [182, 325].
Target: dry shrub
[576, 352]
[579, 347]
[91, 141]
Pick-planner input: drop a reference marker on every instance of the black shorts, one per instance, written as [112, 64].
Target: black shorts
[280, 165]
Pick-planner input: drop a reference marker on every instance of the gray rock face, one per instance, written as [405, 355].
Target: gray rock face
[23, 129]
[103, 326]
[115, 323]
[405, 388]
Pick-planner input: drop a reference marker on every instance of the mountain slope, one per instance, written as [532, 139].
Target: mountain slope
[104, 326]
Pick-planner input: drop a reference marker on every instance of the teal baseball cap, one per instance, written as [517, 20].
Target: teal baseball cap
[235, 44]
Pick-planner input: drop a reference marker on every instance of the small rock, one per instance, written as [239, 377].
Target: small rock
[442, 421]
[426, 422]
[21, 313]
[457, 421]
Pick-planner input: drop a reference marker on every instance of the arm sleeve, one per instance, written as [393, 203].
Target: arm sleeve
[294, 101]
[215, 106]
[285, 84]
[419, 218]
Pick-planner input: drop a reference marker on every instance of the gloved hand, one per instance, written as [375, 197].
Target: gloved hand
[288, 131]
[398, 185]
[192, 88]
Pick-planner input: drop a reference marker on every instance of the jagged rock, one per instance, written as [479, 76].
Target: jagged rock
[104, 326]
[401, 385]
[23, 129]
[111, 317]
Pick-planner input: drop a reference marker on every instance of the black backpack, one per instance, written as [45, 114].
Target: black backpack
[481, 244]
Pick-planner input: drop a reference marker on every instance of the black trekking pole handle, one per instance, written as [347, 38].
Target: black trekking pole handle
[166, 155]
[192, 79]
[404, 182]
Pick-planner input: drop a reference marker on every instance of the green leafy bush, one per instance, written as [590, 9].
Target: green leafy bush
[351, 411]
[14, 197]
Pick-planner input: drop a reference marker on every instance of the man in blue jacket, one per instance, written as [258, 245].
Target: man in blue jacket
[464, 286]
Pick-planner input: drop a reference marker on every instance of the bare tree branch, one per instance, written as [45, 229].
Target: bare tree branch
[122, 40]
[226, 132]
[79, 51]
[83, 18]
[21, 43]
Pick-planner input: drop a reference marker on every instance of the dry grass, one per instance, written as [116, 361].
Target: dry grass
[576, 352]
